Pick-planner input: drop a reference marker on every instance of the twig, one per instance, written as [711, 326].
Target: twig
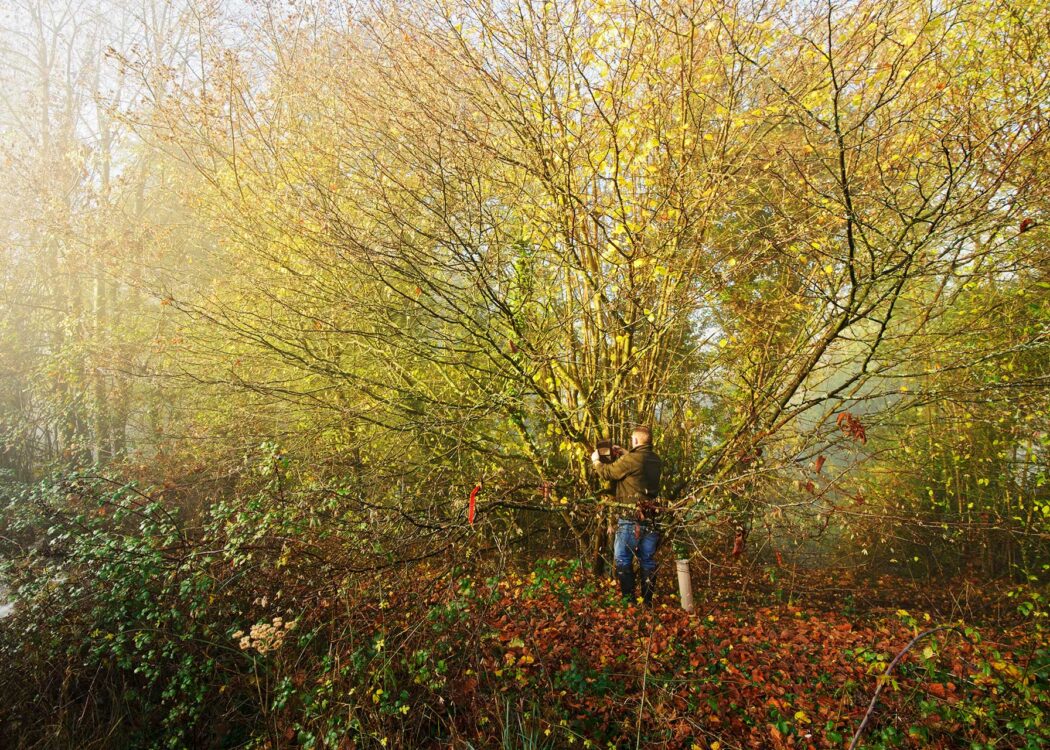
[884, 677]
[645, 675]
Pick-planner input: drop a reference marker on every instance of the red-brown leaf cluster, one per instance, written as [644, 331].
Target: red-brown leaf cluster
[573, 661]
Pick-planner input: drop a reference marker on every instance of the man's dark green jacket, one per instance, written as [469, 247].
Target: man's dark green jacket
[637, 477]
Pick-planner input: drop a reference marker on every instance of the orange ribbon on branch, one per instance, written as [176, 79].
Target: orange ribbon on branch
[473, 505]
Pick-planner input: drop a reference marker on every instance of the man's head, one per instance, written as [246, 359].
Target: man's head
[641, 435]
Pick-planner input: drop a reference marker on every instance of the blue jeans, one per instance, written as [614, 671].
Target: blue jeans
[635, 540]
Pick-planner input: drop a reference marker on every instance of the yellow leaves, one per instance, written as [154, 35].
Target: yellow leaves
[624, 130]
[1009, 669]
[813, 99]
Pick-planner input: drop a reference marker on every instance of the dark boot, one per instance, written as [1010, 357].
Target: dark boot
[625, 575]
[648, 586]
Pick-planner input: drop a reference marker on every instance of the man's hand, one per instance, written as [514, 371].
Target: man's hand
[617, 451]
[594, 457]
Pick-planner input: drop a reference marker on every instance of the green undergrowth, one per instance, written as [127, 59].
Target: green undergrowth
[130, 631]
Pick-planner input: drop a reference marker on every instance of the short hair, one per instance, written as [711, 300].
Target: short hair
[643, 430]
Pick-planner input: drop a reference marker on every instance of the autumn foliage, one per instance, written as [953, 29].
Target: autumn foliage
[311, 314]
[242, 634]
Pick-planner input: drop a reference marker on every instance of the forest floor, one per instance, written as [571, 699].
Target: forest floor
[553, 658]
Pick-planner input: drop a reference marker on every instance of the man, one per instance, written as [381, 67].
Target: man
[637, 477]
